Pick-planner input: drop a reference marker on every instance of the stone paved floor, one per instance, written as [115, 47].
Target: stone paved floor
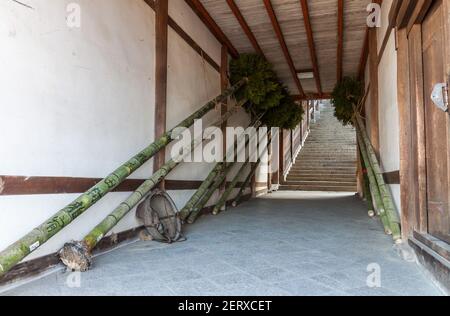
[287, 243]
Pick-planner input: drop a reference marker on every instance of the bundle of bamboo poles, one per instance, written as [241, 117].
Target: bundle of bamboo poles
[213, 181]
[41, 234]
[382, 197]
[77, 255]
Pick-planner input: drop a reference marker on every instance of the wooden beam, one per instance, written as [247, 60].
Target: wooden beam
[187, 38]
[280, 36]
[215, 29]
[312, 96]
[224, 106]
[340, 51]
[373, 65]
[237, 13]
[419, 13]
[364, 56]
[161, 31]
[312, 46]
[404, 13]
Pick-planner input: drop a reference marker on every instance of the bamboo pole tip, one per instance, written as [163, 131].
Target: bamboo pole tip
[398, 241]
[371, 213]
[75, 256]
[388, 232]
[234, 204]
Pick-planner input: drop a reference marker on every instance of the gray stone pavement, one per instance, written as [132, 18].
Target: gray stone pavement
[286, 243]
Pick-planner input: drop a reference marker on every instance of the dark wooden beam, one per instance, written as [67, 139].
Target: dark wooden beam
[340, 51]
[224, 106]
[187, 38]
[312, 96]
[312, 46]
[161, 31]
[215, 29]
[280, 36]
[373, 66]
[237, 13]
[20, 185]
[364, 56]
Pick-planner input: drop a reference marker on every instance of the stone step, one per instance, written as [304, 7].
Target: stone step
[318, 188]
[323, 183]
[312, 172]
[321, 177]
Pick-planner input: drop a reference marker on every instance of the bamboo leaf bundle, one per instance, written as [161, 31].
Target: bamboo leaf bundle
[41, 234]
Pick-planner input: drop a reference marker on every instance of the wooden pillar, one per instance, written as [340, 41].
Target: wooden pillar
[373, 66]
[161, 30]
[281, 156]
[224, 106]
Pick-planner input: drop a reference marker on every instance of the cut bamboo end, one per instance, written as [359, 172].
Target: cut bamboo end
[398, 241]
[388, 232]
[234, 204]
[75, 256]
[371, 213]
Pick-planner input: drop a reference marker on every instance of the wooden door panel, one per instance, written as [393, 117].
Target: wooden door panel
[436, 125]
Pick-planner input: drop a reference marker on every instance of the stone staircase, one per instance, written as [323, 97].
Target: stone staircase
[327, 162]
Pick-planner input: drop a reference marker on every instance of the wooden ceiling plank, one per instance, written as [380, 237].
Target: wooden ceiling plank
[215, 29]
[282, 41]
[244, 25]
[312, 47]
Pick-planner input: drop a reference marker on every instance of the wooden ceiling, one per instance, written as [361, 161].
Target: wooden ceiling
[325, 37]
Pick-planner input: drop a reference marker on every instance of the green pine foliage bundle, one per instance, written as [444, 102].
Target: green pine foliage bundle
[345, 97]
[265, 92]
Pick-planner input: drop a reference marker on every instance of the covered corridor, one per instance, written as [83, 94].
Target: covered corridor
[93, 126]
[285, 243]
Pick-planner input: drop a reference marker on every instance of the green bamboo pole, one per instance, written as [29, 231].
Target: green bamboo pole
[223, 200]
[207, 195]
[366, 187]
[77, 255]
[374, 188]
[246, 183]
[229, 190]
[218, 169]
[386, 195]
[41, 234]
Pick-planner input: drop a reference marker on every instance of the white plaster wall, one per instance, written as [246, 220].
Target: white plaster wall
[80, 102]
[385, 8]
[388, 114]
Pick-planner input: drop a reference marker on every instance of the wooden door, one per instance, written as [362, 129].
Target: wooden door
[437, 136]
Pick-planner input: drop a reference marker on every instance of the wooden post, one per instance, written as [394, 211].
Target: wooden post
[373, 66]
[224, 106]
[161, 30]
[281, 156]
[406, 163]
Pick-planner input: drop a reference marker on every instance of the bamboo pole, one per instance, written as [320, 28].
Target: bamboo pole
[378, 202]
[366, 186]
[207, 195]
[219, 168]
[223, 200]
[41, 234]
[77, 255]
[246, 183]
[386, 195]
